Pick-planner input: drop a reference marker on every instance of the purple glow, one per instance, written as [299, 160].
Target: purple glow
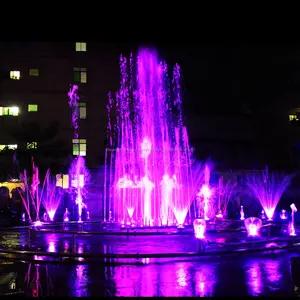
[199, 228]
[37, 223]
[268, 189]
[253, 226]
[148, 166]
[242, 214]
[66, 215]
[224, 193]
[292, 224]
[79, 176]
[77, 172]
[73, 103]
[205, 192]
[52, 197]
[283, 215]
[263, 215]
[33, 194]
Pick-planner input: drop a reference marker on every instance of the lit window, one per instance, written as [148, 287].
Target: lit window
[80, 47]
[82, 110]
[9, 111]
[293, 117]
[62, 180]
[32, 107]
[80, 75]
[79, 147]
[31, 145]
[9, 147]
[15, 75]
[34, 72]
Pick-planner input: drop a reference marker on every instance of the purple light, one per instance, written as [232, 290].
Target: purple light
[199, 228]
[148, 168]
[66, 216]
[242, 214]
[292, 224]
[37, 223]
[205, 192]
[268, 189]
[253, 226]
[263, 215]
[283, 214]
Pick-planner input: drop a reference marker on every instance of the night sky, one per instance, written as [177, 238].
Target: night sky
[234, 77]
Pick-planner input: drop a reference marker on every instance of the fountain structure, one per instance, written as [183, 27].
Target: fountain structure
[149, 176]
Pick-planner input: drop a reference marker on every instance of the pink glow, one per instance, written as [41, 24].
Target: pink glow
[66, 215]
[148, 166]
[219, 215]
[73, 103]
[206, 193]
[268, 189]
[292, 230]
[199, 228]
[263, 216]
[242, 214]
[79, 176]
[253, 226]
[37, 223]
[283, 215]
[52, 196]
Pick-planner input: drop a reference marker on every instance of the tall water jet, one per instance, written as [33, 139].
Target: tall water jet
[268, 189]
[52, 198]
[79, 177]
[77, 171]
[148, 166]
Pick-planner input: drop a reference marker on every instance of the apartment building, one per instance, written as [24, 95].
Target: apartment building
[35, 78]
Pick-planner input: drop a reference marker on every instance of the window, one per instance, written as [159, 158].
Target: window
[9, 147]
[32, 107]
[9, 111]
[34, 72]
[82, 110]
[31, 145]
[80, 47]
[293, 118]
[62, 180]
[15, 75]
[80, 75]
[79, 147]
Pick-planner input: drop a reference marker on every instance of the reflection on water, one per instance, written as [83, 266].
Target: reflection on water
[254, 281]
[233, 275]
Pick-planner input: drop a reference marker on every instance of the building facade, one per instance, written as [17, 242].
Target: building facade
[34, 83]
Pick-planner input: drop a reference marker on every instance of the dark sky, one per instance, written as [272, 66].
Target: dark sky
[231, 76]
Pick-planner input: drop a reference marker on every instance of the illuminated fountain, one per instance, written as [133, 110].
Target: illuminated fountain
[283, 215]
[52, 197]
[205, 192]
[33, 193]
[242, 213]
[77, 171]
[199, 228]
[253, 226]
[224, 194]
[79, 176]
[292, 224]
[268, 189]
[149, 175]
